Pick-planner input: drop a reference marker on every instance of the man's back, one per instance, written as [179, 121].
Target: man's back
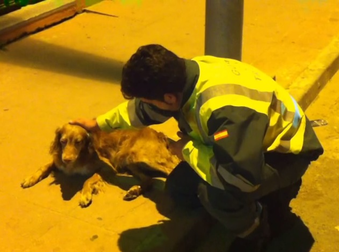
[226, 83]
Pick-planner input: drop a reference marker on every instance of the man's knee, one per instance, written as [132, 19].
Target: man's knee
[182, 184]
[229, 207]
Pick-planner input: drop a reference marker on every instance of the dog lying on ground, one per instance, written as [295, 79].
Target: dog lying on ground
[144, 153]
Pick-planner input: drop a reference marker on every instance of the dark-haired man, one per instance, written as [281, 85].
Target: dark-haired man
[245, 141]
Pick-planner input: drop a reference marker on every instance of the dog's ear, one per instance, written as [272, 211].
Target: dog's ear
[90, 147]
[55, 145]
[163, 139]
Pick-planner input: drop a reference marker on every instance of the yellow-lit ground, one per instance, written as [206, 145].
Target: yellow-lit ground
[73, 69]
[318, 200]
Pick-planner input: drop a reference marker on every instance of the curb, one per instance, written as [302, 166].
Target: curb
[34, 17]
[309, 84]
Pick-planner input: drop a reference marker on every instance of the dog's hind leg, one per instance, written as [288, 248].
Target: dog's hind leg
[93, 185]
[146, 182]
[40, 174]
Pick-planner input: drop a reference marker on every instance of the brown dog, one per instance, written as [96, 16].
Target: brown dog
[143, 153]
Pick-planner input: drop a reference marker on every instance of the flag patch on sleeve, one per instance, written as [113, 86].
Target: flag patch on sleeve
[220, 135]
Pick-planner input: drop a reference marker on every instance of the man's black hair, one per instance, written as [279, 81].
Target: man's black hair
[152, 72]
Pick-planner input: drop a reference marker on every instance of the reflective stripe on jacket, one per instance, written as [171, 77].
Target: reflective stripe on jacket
[234, 114]
[256, 114]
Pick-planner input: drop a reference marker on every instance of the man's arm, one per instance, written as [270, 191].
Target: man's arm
[130, 114]
[236, 154]
[238, 134]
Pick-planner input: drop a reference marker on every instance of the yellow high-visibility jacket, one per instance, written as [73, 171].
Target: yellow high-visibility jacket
[235, 114]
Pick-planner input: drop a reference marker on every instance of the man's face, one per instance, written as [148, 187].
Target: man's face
[171, 102]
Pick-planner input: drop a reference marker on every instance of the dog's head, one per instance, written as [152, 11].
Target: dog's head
[69, 142]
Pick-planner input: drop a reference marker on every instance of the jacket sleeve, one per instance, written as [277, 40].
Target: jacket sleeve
[132, 114]
[237, 135]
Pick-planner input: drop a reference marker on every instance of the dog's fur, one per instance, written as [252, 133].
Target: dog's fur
[144, 153]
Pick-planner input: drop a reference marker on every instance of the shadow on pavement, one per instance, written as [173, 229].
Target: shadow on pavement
[69, 185]
[55, 58]
[160, 237]
[171, 235]
[174, 234]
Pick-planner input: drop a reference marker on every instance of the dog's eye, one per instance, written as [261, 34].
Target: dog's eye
[63, 141]
[78, 141]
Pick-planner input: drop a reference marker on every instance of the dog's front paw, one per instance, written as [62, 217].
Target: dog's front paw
[133, 193]
[29, 181]
[85, 198]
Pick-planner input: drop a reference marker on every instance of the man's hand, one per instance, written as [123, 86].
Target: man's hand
[177, 146]
[88, 124]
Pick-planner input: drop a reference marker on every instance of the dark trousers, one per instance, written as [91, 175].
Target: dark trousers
[275, 194]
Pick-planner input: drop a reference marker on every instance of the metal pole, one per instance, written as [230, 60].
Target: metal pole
[223, 29]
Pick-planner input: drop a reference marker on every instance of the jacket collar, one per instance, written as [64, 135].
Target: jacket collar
[192, 73]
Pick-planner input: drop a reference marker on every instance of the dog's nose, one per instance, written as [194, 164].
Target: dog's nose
[67, 160]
